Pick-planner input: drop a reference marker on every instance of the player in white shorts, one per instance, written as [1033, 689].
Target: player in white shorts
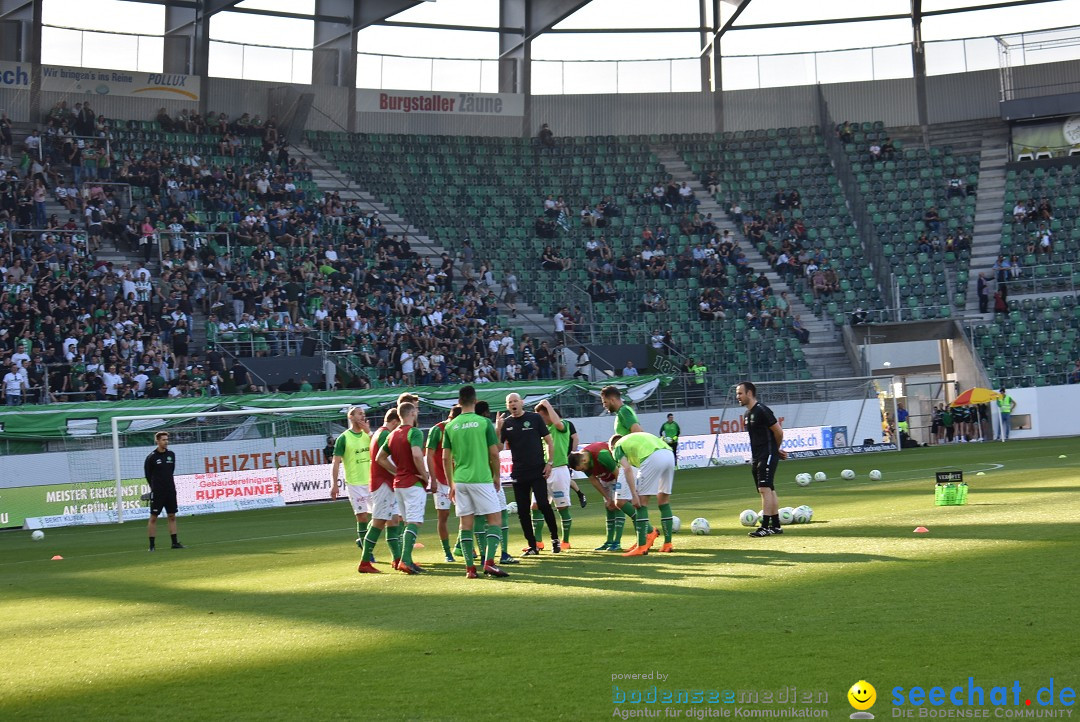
[384, 509]
[442, 487]
[403, 454]
[352, 449]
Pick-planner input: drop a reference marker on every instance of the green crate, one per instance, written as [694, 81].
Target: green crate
[950, 494]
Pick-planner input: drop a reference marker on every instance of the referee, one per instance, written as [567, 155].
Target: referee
[766, 437]
[158, 469]
[525, 434]
[669, 432]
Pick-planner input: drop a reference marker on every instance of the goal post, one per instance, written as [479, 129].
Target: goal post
[820, 417]
[230, 460]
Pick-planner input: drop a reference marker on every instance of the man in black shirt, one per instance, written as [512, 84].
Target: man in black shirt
[766, 437]
[525, 434]
[158, 469]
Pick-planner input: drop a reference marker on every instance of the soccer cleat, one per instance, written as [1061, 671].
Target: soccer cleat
[530, 552]
[177, 545]
[394, 564]
[565, 545]
[407, 569]
[603, 547]
[367, 568]
[760, 532]
[556, 547]
[152, 549]
[775, 530]
[582, 499]
[615, 548]
[450, 558]
[493, 571]
[507, 559]
[636, 552]
[667, 548]
[650, 538]
[539, 545]
[470, 573]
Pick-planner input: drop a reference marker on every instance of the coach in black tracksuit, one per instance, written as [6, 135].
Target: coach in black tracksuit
[525, 433]
[158, 469]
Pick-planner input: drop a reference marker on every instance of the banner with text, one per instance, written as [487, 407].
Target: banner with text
[14, 76]
[132, 83]
[444, 103]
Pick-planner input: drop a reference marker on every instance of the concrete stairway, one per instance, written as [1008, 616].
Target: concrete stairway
[986, 241]
[329, 178]
[825, 357]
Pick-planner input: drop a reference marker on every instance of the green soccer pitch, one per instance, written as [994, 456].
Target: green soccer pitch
[264, 617]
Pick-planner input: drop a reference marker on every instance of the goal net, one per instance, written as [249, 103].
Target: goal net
[225, 461]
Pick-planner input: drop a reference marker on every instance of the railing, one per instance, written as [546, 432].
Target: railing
[273, 343]
[125, 189]
[1030, 283]
[872, 245]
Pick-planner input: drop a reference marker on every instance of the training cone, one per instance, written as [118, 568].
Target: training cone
[1062, 456]
[418, 545]
[57, 558]
[921, 530]
[980, 473]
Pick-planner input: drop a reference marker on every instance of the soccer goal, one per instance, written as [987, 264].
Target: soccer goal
[820, 417]
[225, 460]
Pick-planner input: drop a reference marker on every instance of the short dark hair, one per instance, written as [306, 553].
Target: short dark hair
[391, 415]
[158, 435]
[483, 408]
[405, 408]
[455, 411]
[671, 415]
[466, 395]
[749, 387]
[611, 391]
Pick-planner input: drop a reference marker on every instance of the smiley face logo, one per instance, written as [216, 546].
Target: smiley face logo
[862, 695]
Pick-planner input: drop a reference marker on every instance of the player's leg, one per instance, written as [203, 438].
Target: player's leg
[494, 539]
[360, 499]
[464, 508]
[171, 508]
[626, 510]
[442, 511]
[151, 525]
[558, 485]
[645, 538]
[539, 491]
[537, 520]
[523, 498]
[663, 499]
[411, 501]
[504, 529]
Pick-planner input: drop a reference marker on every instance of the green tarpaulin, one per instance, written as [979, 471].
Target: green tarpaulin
[59, 421]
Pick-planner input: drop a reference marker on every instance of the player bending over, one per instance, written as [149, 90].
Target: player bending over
[649, 465]
[596, 461]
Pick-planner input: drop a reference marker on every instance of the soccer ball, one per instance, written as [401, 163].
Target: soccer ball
[875, 475]
[820, 476]
[512, 507]
[749, 518]
[801, 515]
[699, 526]
[667, 440]
[809, 513]
[803, 479]
[676, 524]
[786, 514]
[847, 474]
[37, 535]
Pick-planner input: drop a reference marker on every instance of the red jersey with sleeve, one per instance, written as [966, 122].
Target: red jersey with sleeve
[434, 443]
[603, 463]
[379, 475]
[402, 442]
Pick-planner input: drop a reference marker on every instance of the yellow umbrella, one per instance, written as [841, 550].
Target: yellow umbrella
[975, 396]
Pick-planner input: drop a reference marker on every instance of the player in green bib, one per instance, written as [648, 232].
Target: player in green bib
[626, 422]
[649, 465]
[471, 464]
[353, 451]
[669, 432]
[558, 481]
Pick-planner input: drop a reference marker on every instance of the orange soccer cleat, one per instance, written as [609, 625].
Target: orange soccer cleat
[636, 552]
[367, 568]
[650, 538]
[667, 548]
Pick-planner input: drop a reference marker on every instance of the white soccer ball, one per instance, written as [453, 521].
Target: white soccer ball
[820, 476]
[809, 514]
[512, 507]
[749, 518]
[875, 475]
[37, 535]
[667, 440]
[699, 526]
[803, 479]
[676, 524]
[801, 515]
[787, 515]
[847, 474]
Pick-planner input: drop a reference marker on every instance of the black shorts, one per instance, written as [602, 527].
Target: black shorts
[162, 497]
[764, 471]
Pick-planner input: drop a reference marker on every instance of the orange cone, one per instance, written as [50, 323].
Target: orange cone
[57, 558]
[921, 530]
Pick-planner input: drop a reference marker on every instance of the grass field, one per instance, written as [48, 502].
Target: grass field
[264, 615]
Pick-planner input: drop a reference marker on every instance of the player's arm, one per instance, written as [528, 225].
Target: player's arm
[599, 486]
[778, 434]
[383, 458]
[147, 467]
[335, 469]
[550, 453]
[556, 420]
[493, 457]
[416, 445]
[448, 466]
[631, 481]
